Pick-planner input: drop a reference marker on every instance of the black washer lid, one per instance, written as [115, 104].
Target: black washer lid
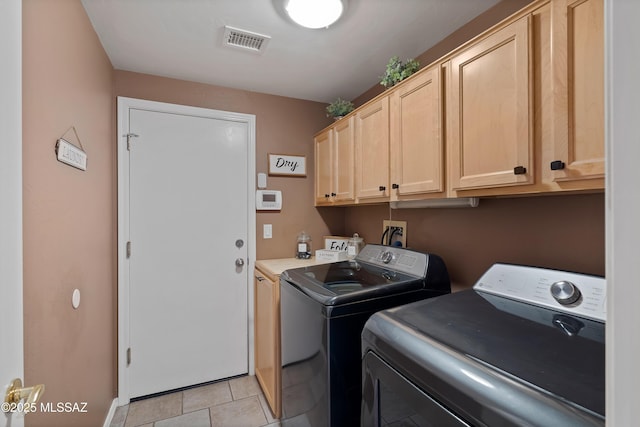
[349, 281]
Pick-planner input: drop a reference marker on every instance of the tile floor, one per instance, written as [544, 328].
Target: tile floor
[235, 403]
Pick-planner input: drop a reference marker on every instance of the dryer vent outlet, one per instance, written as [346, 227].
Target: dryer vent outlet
[394, 233]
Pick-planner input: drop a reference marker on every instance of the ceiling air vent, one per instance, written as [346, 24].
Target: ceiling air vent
[245, 40]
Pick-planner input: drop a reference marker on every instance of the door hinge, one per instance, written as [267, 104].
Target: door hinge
[129, 356]
[128, 249]
[129, 136]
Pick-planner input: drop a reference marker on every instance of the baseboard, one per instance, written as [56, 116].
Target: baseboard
[111, 413]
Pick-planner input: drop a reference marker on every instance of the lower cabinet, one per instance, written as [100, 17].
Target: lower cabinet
[267, 338]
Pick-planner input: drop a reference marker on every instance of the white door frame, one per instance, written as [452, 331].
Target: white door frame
[622, 207]
[124, 104]
[11, 329]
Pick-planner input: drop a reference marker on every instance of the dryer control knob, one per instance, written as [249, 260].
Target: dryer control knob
[386, 257]
[566, 293]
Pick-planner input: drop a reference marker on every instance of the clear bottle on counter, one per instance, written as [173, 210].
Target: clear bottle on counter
[303, 246]
[354, 246]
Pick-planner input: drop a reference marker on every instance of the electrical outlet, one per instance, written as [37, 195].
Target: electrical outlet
[397, 232]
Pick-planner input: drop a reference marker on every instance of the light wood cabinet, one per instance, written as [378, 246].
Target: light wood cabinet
[267, 338]
[578, 88]
[323, 149]
[266, 315]
[335, 163]
[344, 161]
[372, 151]
[489, 111]
[517, 110]
[416, 135]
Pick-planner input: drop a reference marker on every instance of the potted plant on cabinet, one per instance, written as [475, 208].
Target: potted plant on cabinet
[339, 108]
[397, 71]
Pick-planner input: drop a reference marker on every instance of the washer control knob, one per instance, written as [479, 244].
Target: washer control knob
[566, 293]
[386, 257]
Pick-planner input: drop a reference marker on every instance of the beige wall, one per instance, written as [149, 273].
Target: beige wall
[69, 215]
[283, 126]
[565, 232]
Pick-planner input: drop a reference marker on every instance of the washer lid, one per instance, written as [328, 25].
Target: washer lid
[503, 354]
[349, 281]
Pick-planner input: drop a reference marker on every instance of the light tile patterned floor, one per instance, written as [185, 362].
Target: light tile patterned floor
[238, 402]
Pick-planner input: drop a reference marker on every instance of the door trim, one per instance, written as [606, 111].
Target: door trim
[11, 212]
[124, 104]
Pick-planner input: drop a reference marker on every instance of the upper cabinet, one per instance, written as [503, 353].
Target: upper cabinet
[578, 86]
[334, 161]
[489, 118]
[519, 109]
[416, 132]
[323, 156]
[344, 173]
[372, 151]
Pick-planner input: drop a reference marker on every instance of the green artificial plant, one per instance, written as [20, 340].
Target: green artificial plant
[397, 71]
[339, 108]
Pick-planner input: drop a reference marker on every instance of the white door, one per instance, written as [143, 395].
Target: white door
[11, 353]
[188, 224]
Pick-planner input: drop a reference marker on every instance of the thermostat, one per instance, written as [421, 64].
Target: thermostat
[268, 200]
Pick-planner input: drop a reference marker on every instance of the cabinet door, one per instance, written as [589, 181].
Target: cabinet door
[417, 154]
[344, 161]
[578, 67]
[372, 151]
[267, 339]
[490, 113]
[324, 167]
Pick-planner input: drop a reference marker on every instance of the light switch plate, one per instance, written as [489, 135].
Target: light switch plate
[262, 180]
[267, 231]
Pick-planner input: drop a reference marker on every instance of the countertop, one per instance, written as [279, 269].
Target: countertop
[272, 268]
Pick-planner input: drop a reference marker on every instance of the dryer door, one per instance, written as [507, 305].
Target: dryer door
[388, 398]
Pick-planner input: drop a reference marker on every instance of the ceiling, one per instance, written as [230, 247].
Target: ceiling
[183, 39]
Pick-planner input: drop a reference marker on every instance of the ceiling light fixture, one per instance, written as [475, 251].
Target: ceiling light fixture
[314, 13]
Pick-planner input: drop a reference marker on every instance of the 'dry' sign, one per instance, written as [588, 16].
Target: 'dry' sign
[282, 164]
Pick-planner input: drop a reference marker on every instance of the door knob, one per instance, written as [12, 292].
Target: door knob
[15, 393]
[239, 262]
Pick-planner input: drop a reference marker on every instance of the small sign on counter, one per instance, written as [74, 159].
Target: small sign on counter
[336, 243]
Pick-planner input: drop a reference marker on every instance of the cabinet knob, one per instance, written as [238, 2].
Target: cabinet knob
[557, 165]
[382, 188]
[326, 196]
[519, 170]
[395, 186]
[333, 194]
